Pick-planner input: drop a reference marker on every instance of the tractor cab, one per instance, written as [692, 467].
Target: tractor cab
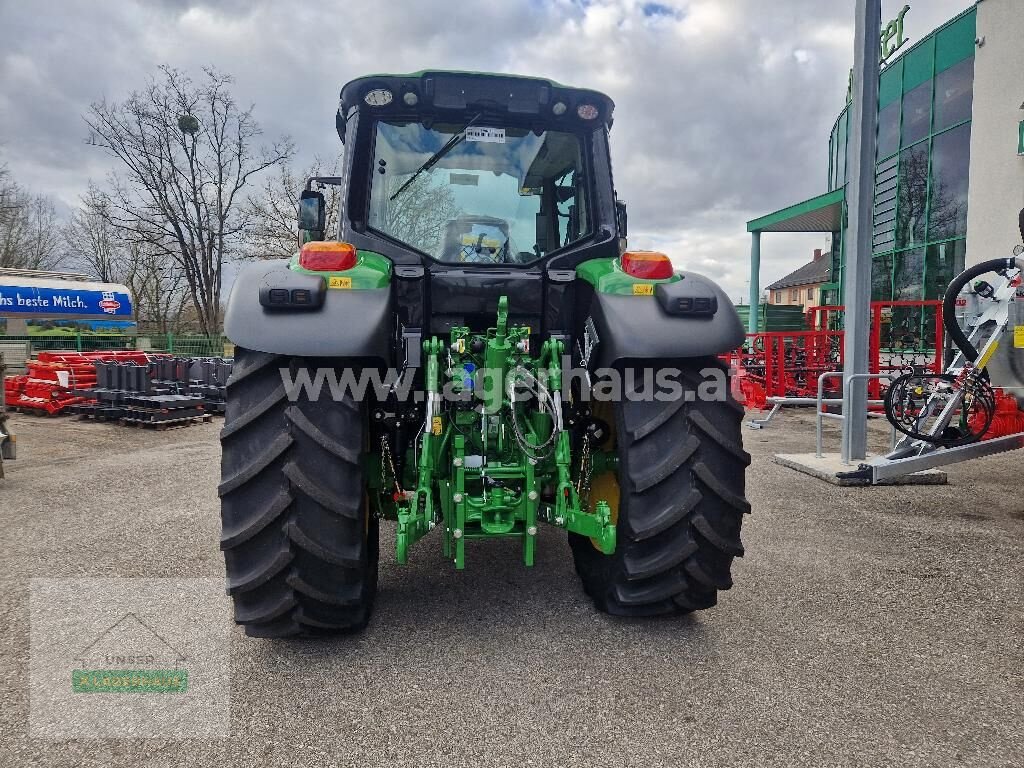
[521, 158]
[474, 187]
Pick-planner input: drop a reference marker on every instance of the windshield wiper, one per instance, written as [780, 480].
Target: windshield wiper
[435, 158]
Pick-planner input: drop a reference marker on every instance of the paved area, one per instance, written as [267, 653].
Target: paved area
[875, 626]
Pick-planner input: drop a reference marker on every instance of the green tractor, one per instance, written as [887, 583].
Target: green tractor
[477, 355]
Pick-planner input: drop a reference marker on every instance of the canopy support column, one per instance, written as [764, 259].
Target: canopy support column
[860, 198]
[753, 319]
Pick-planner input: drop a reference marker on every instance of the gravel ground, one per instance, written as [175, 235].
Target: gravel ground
[866, 627]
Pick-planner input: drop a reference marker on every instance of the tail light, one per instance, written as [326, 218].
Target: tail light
[647, 265]
[327, 256]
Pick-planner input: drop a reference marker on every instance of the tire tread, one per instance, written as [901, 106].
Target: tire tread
[300, 554]
[682, 503]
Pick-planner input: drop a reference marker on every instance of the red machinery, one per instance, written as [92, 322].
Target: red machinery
[904, 335]
[54, 377]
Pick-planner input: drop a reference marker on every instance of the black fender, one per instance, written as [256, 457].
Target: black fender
[691, 317]
[336, 323]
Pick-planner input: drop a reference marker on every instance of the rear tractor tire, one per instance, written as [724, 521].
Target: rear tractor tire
[300, 543]
[679, 498]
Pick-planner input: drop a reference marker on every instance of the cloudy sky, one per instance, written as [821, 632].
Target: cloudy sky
[723, 107]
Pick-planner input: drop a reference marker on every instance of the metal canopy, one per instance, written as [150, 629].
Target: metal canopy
[823, 213]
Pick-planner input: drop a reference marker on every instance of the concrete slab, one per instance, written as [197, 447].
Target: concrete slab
[829, 465]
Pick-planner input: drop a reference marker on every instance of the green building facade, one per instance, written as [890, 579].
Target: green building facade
[922, 170]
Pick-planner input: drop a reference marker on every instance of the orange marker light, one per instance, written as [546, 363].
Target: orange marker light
[327, 256]
[648, 265]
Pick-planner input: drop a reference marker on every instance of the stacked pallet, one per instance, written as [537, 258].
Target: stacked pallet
[204, 377]
[126, 391]
[55, 379]
[167, 391]
[131, 386]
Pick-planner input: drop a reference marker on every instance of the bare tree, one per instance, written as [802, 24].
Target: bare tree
[273, 232]
[103, 251]
[188, 152]
[160, 290]
[29, 233]
[93, 244]
[419, 216]
[6, 191]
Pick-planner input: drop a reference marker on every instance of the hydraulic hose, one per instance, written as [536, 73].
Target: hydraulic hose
[953, 291]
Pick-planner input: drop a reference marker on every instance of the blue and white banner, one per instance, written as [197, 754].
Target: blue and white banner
[90, 300]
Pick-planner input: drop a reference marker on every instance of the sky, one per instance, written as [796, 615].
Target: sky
[723, 107]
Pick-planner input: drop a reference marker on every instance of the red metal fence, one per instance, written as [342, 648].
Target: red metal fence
[904, 334]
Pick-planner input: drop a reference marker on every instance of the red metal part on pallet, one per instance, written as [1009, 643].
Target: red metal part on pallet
[14, 386]
[113, 356]
[43, 389]
[904, 334]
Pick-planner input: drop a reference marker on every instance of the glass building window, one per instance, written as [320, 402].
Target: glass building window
[943, 261]
[907, 271]
[917, 113]
[913, 195]
[889, 130]
[841, 151]
[954, 94]
[884, 216]
[881, 278]
[907, 328]
[951, 159]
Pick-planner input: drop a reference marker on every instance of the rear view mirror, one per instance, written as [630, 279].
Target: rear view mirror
[621, 220]
[312, 216]
[621, 224]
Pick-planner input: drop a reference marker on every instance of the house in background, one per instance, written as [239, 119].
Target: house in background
[802, 287]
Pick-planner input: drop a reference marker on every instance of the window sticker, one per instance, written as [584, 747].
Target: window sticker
[483, 133]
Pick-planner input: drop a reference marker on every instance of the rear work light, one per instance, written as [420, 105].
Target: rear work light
[327, 256]
[647, 265]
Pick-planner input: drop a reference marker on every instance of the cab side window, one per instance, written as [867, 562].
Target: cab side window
[571, 206]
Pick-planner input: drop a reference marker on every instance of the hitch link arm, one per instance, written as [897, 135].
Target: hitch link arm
[416, 520]
[568, 514]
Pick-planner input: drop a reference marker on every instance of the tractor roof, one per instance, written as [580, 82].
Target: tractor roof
[437, 90]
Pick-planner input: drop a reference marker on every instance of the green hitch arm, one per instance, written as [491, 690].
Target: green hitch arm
[598, 525]
[416, 520]
[568, 514]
